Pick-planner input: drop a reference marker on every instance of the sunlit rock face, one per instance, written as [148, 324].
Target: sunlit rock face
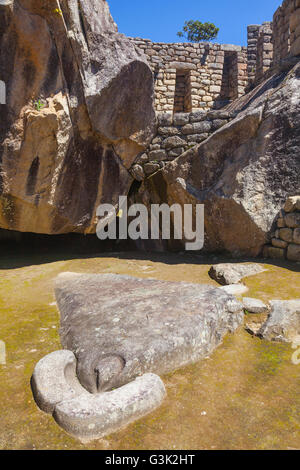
[244, 172]
[79, 108]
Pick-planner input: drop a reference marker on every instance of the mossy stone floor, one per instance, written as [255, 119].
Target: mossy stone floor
[245, 396]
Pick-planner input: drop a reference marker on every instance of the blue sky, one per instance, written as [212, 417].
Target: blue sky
[160, 20]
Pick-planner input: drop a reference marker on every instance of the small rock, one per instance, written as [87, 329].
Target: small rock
[138, 172]
[235, 289]
[165, 119]
[181, 119]
[176, 152]
[157, 155]
[254, 305]
[150, 168]
[197, 116]
[283, 323]
[172, 142]
[292, 204]
[168, 131]
[233, 273]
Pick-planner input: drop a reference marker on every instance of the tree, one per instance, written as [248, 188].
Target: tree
[195, 31]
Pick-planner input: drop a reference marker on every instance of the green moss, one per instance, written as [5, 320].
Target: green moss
[248, 388]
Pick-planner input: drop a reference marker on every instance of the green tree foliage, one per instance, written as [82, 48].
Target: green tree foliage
[195, 31]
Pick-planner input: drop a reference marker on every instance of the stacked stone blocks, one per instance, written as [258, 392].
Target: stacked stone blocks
[286, 31]
[204, 67]
[175, 135]
[286, 239]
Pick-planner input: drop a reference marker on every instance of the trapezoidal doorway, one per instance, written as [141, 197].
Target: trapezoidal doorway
[183, 99]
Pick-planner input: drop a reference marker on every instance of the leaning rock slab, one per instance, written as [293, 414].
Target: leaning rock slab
[233, 273]
[283, 323]
[57, 391]
[120, 327]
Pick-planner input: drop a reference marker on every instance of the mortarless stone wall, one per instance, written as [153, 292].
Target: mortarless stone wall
[176, 134]
[195, 81]
[286, 31]
[191, 77]
[286, 238]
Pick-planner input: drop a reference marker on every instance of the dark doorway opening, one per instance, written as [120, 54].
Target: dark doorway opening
[183, 99]
[229, 88]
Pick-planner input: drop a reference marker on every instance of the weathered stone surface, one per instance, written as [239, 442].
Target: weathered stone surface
[237, 173]
[292, 204]
[274, 253]
[71, 126]
[57, 391]
[279, 243]
[293, 220]
[235, 289]
[293, 252]
[138, 172]
[233, 273]
[283, 323]
[173, 142]
[296, 237]
[286, 234]
[120, 327]
[104, 413]
[180, 119]
[254, 305]
[165, 119]
[49, 382]
[151, 168]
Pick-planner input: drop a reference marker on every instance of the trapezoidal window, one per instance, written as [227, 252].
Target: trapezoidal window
[182, 99]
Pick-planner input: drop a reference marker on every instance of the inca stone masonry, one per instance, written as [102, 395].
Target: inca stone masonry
[194, 82]
[191, 77]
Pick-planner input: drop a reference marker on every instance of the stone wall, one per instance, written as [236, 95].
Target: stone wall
[286, 238]
[176, 134]
[191, 77]
[264, 54]
[203, 76]
[286, 30]
[252, 34]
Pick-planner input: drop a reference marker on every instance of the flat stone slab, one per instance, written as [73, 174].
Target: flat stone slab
[254, 305]
[57, 391]
[121, 327]
[119, 332]
[233, 273]
[234, 289]
[283, 323]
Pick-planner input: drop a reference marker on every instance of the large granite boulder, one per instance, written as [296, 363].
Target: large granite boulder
[121, 327]
[79, 108]
[243, 173]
